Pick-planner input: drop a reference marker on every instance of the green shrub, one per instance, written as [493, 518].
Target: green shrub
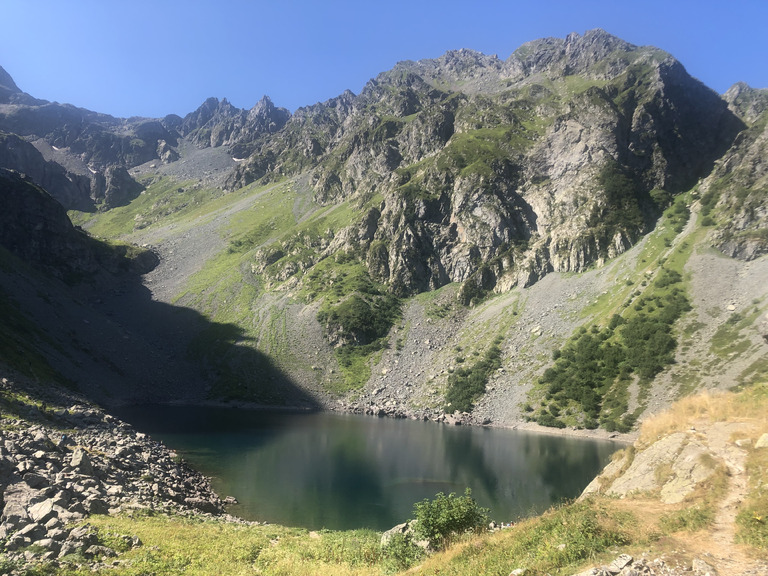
[466, 385]
[444, 517]
[594, 366]
[622, 211]
[400, 553]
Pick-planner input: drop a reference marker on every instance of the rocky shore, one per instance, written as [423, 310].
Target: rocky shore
[63, 460]
[391, 410]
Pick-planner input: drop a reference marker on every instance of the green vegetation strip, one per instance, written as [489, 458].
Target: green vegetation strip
[356, 313]
[592, 372]
[466, 385]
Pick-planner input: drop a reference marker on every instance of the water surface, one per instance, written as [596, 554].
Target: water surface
[342, 471]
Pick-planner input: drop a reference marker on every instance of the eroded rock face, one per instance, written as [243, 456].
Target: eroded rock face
[71, 190]
[115, 188]
[491, 170]
[36, 228]
[219, 123]
[734, 195]
[673, 466]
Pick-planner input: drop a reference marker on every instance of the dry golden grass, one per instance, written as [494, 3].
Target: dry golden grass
[748, 405]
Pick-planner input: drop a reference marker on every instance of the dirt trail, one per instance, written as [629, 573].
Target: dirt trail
[719, 545]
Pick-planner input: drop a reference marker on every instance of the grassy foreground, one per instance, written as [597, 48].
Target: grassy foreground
[564, 540]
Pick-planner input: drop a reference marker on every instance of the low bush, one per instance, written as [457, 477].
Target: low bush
[595, 366]
[444, 517]
[466, 385]
[400, 553]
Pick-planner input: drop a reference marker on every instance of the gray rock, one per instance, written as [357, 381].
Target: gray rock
[96, 506]
[702, 568]
[49, 544]
[42, 512]
[399, 529]
[619, 564]
[35, 480]
[690, 469]
[71, 547]
[81, 461]
[641, 475]
[32, 531]
[17, 541]
[96, 550]
[202, 505]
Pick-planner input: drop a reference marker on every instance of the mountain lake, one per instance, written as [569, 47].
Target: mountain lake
[341, 471]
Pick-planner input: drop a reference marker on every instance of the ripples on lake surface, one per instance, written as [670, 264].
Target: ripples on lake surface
[342, 471]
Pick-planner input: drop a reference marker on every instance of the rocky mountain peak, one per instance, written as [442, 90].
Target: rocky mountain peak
[575, 54]
[746, 102]
[267, 116]
[10, 93]
[6, 82]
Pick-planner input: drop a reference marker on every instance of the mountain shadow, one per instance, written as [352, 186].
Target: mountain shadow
[75, 311]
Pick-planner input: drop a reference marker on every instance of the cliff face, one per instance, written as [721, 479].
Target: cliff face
[495, 171]
[734, 195]
[559, 157]
[36, 228]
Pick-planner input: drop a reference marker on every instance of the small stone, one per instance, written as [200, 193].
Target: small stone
[96, 550]
[620, 563]
[701, 568]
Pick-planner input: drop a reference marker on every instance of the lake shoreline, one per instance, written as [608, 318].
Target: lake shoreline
[595, 434]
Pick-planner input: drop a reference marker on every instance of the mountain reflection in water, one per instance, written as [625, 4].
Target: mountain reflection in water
[343, 471]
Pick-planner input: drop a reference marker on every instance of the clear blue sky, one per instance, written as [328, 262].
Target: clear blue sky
[152, 58]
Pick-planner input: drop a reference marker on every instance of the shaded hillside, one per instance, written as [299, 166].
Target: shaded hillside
[74, 310]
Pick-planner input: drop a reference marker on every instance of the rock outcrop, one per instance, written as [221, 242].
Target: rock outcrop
[733, 196]
[36, 228]
[495, 173]
[219, 123]
[71, 190]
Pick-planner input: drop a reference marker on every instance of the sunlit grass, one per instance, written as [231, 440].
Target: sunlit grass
[713, 406]
[203, 547]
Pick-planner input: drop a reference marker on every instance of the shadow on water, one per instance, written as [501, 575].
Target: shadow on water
[338, 471]
[467, 457]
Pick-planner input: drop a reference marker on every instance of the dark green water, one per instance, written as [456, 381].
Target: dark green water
[344, 471]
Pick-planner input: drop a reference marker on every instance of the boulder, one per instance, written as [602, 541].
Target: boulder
[81, 461]
[42, 512]
[403, 528]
